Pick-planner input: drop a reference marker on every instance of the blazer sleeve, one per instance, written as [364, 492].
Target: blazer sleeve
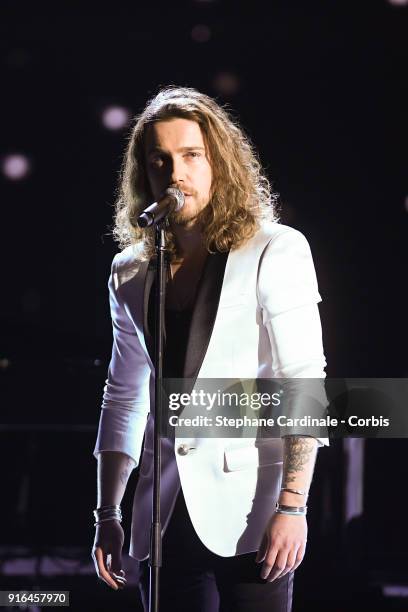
[288, 295]
[126, 401]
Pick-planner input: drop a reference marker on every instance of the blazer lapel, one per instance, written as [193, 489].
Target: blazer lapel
[205, 311]
[203, 319]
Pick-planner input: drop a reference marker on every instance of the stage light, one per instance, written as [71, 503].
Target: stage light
[15, 167]
[406, 203]
[226, 83]
[201, 33]
[4, 363]
[115, 117]
[398, 2]
[395, 590]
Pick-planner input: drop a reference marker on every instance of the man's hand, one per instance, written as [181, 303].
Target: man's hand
[107, 554]
[283, 545]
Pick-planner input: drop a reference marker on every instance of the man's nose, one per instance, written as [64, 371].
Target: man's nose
[176, 171]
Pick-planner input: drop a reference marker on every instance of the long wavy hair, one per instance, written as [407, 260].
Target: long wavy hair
[241, 195]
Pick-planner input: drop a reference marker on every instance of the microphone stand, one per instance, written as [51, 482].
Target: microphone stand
[155, 555]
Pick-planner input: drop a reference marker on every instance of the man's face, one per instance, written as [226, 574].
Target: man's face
[176, 156]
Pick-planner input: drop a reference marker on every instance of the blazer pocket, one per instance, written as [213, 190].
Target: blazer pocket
[267, 452]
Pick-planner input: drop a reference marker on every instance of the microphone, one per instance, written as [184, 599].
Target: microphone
[173, 199]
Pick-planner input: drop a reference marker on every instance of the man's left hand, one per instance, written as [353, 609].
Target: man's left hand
[283, 545]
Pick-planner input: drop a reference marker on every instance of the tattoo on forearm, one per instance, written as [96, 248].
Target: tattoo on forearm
[297, 452]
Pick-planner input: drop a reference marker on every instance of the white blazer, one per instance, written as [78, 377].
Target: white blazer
[256, 316]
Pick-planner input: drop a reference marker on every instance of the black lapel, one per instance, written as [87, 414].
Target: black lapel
[205, 311]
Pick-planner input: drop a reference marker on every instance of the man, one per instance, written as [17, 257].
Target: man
[241, 303]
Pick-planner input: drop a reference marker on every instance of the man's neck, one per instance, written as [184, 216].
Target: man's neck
[189, 241]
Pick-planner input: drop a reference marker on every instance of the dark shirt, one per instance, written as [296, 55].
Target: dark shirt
[177, 327]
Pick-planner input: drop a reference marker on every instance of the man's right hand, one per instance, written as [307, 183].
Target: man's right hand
[107, 553]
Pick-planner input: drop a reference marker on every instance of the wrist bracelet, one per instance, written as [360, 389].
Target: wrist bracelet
[292, 510]
[102, 509]
[296, 491]
[104, 520]
[107, 513]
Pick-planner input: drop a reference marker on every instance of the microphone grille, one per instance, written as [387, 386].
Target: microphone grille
[177, 195]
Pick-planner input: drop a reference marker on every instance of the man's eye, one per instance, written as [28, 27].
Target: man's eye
[193, 154]
[156, 161]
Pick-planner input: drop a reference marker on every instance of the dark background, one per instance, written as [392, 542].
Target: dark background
[319, 88]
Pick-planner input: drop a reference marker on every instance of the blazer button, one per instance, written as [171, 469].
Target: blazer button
[183, 449]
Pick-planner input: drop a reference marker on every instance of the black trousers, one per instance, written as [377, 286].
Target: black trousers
[194, 579]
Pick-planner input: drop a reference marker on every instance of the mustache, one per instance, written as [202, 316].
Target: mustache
[185, 189]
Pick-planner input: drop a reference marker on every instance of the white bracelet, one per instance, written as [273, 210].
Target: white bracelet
[112, 518]
[292, 510]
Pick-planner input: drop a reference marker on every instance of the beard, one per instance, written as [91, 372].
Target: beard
[185, 218]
